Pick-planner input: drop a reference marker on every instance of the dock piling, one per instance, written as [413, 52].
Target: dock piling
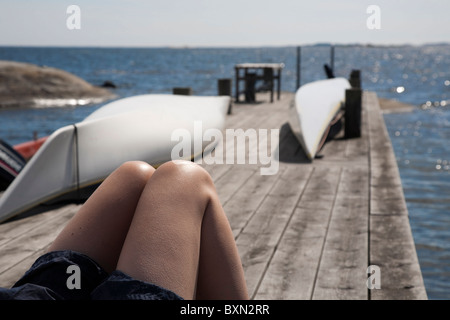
[224, 89]
[299, 58]
[355, 79]
[187, 91]
[332, 58]
[353, 98]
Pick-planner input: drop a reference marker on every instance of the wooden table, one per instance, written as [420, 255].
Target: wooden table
[271, 73]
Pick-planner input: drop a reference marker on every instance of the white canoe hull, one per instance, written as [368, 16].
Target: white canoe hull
[84, 154]
[314, 106]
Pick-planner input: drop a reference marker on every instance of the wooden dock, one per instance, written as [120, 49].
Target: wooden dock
[310, 231]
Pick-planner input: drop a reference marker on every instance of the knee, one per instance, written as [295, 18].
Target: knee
[186, 173]
[136, 171]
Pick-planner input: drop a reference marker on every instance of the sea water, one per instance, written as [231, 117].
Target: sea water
[418, 75]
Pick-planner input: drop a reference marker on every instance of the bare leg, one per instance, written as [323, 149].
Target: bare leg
[101, 225]
[180, 237]
[175, 231]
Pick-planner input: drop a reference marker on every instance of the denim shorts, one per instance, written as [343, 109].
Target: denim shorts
[50, 278]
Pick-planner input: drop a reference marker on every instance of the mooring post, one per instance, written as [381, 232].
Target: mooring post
[182, 91]
[250, 81]
[353, 100]
[298, 67]
[224, 89]
[332, 58]
[355, 79]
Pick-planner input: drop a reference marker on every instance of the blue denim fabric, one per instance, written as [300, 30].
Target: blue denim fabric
[120, 286]
[47, 280]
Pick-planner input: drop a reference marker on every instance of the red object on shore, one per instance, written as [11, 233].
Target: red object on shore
[29, 148]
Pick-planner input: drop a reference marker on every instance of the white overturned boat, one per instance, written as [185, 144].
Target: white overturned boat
[84, 154]
[314, 107]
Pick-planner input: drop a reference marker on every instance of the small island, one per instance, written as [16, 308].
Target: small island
[29, 85]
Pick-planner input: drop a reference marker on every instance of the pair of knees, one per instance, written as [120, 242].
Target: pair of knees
[175, 176]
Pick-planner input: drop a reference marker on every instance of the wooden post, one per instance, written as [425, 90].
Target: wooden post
[299, 56]
[250, 81]
[182, 91]
[355, 79]
[236, 70]
[278, 85]
[353, 113]
[332, 58]
[224, 89]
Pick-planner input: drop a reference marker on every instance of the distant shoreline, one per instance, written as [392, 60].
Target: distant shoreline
[177, 47]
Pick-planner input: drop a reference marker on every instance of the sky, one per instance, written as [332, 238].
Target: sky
[222, 23]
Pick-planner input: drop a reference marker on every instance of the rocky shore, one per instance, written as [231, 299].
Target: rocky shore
[28, 85]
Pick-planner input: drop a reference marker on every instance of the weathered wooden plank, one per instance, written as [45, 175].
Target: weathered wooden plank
[216, 171]
[391, 244]
[293, 269]
[335, 150]
[36, 239]
[14, 229]
[244, 204]
[11, 230]
[248, 137]
[261, 235]
[20, 248]
[358, 149]
[386, 187]
[392, 250]
[255, 115]
[240, 117]
[228, 185]
[385, 184]
[342, 273]
[321, 192]
[11, 275]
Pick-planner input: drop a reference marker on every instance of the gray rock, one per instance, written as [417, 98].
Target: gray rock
[28, 85]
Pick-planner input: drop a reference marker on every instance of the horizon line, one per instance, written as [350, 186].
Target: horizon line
[317, 44]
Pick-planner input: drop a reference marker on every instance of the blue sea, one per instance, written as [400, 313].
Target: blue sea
[418, 75]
